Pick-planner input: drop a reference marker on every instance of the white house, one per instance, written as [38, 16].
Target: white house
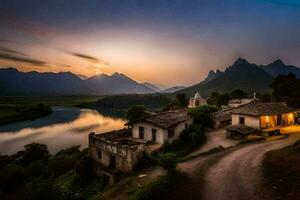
[162, 127]
[257, 115]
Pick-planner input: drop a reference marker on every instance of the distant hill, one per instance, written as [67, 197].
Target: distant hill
[172, 89]
[117, 83]
[35, 83]
[241, 75]
[279, 68]
[152, 87]
[14, 82]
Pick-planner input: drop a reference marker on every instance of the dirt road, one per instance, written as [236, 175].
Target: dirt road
[230, 175]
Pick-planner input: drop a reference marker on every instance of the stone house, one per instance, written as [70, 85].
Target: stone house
[162, 127]
[118, 152]
[115, 152]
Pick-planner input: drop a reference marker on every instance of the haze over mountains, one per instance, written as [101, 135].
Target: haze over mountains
[14, 82]
[241, 75]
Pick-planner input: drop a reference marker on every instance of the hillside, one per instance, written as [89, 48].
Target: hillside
[279, 68]
[241, 75]
[117, 83]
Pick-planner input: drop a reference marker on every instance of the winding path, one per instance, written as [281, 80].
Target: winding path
[234, 174]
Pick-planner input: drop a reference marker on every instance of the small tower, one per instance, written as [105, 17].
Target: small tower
[196, 101]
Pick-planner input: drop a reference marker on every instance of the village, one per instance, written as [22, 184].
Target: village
[119, 152]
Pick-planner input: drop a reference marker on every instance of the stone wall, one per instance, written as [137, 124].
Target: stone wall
[251, 121]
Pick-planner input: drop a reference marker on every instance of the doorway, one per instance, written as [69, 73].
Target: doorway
[279, 120]
[112, 161]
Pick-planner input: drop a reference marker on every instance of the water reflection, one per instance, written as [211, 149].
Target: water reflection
[65, 127]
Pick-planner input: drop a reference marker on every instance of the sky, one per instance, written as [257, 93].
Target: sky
[165, 42]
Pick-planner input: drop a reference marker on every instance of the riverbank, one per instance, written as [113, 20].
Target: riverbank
[11, 114]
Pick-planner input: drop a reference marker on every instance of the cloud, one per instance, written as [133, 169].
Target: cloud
[16, 58]
[10, 51]
[86, 57]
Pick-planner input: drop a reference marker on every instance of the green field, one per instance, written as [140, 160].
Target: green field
[47, 100]
[10, 114]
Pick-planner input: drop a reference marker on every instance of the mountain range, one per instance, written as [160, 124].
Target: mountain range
[14, 82]
[242, 75]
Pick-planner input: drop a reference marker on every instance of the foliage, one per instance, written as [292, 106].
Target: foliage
[85, 169]
[40, 188]
[168, 162]
[265, 97]
[61, 164]
[218, 99]
[34, 174]
[286, 88]
[281, 170]
[34, 152]
[123, 102]
[159, 188]
[238, 94]
[181, 100]
[12, 178]
[190, 140]
[202, 115]
[135, 112]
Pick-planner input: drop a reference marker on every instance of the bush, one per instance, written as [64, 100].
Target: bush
[85, 169]
[34, 152]
[202, 115]
[40, 188]
[61, 164]
[168, 162]
[12, 178]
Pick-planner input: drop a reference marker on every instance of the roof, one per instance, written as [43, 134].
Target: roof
[242, 129]
[197, 96]
[256, 108]
[167, 119]
[223, 115]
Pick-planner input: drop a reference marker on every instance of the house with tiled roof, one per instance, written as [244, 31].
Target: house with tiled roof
[256, 116]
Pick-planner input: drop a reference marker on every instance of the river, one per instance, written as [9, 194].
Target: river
[65, 127]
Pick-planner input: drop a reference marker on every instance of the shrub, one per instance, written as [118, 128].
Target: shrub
[85, 169]
[168, 162]
[202, 115]
[61, 164]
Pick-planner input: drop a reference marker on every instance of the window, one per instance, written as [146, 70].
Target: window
[141, 132]
[99, 154]
[153, 134]
[242, 120]
[170, 133]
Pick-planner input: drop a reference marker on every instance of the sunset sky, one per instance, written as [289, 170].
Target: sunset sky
[166, 42]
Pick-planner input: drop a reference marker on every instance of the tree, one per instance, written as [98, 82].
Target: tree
[202, 115]
[34, 152]
[218, 99]
[181, 100]
[85, 169]
[168, 162]
[286, 88]
[238, 94]
[135, 112]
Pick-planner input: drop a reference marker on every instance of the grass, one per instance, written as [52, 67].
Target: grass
[281, 170]
[9, 114]
[159, 188]
[48, 100]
